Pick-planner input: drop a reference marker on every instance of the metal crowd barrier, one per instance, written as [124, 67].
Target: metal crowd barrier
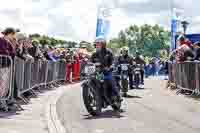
[185, 76]
[29, 74]
[18, 76]
[6, 69]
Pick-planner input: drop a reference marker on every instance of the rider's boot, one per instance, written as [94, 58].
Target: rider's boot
[142, 82]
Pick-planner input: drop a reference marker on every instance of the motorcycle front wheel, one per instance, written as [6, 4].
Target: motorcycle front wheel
[124, 85]
[92, 100]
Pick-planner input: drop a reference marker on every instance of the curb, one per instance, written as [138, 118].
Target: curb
[53, 123]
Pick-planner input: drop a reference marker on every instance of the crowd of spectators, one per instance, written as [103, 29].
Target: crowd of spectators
[155, 66]
[13, 44]
[186, 50]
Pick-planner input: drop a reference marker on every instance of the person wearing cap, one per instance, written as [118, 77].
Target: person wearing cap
[185, 50]
[105, 57]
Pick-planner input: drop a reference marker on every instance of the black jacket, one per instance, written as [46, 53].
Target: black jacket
[139, 60]
[104, 56]
[125, 60]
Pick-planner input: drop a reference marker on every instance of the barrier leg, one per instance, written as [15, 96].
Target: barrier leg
[3, 105]
[25, 100]
[33, 93]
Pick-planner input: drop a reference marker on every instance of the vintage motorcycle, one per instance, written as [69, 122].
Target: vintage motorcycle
[124, 69]
[95, 90]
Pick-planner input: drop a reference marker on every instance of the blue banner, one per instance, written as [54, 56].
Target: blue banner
[192, 37]
[173, 35]
[102, 28]
[99, 27]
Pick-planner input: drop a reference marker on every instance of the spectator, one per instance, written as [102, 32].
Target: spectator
[197, 50]
[51, 53]
[8, 43]
[185, 50]
[172, 55]
[45, 52]
[48, 53]
[63, 55]
[26, 44]
[35, 51]
[56, 54]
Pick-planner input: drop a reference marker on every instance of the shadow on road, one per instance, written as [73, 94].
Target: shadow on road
[105, 114]
[139, 88]
[197, 98]
[7, 115]
[130, 96]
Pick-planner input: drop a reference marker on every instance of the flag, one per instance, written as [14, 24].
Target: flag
[103, 22]
[173, 34]
[177, 16]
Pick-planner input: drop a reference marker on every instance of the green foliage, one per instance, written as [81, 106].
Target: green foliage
[146, 39]
[46, 40]
[89, 46]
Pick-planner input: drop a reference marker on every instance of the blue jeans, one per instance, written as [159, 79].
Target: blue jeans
[111, 83]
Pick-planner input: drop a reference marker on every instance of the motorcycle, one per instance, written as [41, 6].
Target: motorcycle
[95, 91]
[137, 75]
[124, 68]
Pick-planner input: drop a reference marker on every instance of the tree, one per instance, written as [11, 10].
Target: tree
[36, 35]
[89, 46]
[46, 40]
[147, 39]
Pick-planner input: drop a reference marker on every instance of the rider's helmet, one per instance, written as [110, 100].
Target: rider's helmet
[125, 51]
[100, 42]
[137, 53]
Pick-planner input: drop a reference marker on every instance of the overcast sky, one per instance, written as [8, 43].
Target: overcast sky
[76, 19]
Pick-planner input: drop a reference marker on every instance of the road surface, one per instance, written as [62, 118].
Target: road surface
[150, 110]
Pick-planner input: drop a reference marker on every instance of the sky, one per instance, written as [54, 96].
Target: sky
[76, 19]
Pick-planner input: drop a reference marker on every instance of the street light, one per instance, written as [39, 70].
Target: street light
[184, 25]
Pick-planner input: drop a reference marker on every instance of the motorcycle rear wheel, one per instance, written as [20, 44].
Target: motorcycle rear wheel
[137, 81]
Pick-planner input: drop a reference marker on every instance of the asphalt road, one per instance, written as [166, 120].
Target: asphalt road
[150, 110]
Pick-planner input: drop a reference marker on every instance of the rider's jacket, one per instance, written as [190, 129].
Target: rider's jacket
[139, 60]
[125, 59]
[104, 56]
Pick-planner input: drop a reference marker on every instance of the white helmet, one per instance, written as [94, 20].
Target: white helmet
[100, 39]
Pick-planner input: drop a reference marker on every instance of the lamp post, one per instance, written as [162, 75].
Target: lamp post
[184, 25]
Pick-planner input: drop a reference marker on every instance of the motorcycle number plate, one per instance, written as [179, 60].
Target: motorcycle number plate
[124, 67]
[137, 72]
[90, 69]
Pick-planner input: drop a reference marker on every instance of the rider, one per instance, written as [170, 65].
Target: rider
[125, 58]
[105, 57]
[139, 60]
